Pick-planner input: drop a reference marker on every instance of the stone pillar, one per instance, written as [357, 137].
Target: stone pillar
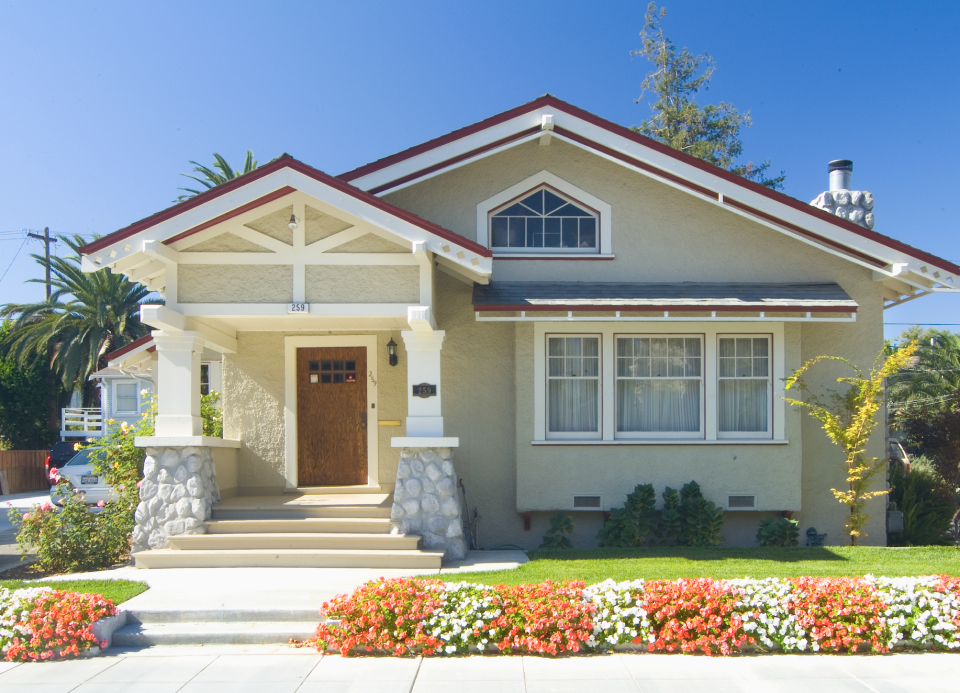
[426, 501]
[177, 494]
[424, 417]
[178, 373]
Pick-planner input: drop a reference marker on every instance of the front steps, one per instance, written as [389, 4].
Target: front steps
[349, 530]
[148, 628]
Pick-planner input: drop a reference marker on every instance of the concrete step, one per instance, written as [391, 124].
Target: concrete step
[338, 490]
[301, 511]
[152, 617]
[288, 558]
[294, 540]
[214, 633]
[309, 525]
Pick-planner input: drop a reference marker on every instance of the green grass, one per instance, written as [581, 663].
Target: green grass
[596, 565]
[117, 591]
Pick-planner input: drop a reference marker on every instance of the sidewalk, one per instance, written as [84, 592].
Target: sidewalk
[270, 589]
[283, 670]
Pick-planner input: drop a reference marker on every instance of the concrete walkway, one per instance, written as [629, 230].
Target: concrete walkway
[284, 670]
[271, 589]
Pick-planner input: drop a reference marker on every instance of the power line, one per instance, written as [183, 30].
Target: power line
[14, 259]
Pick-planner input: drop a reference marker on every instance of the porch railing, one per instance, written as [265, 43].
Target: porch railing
[81, 422]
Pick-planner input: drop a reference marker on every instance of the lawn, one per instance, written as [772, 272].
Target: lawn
[118, 591]
[596, 565]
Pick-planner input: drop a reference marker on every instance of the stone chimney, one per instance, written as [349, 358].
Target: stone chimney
[852, 205]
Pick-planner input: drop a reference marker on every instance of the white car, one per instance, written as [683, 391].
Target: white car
[79, 472]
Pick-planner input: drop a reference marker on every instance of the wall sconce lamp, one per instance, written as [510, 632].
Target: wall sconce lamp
[392, 350]
[293, 223]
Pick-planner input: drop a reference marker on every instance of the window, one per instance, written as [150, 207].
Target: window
[744, 388]
[658, 386]
[573, 386]
[126, 398]
[544, 220]
[204, 379]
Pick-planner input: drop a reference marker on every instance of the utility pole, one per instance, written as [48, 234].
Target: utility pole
[46, 253]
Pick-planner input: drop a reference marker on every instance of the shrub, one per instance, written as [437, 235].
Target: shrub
[668, 520]
[74, 538]
[701, 521]
[553, 538]
[633, 524]
[921, 495]
[41, 623]
[779, 532]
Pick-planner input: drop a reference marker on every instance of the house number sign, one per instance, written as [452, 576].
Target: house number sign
[298, 307]
[424, 390]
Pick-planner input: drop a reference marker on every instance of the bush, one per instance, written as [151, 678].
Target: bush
[633, 524]
[41, 623]
[410, 616]
[553, 538]
[701, 521]
[668, 521]
[921, 495]
[779, 532]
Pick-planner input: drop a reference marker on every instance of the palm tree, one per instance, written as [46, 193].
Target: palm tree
[212, 178]
[934, 378]
[87, 316]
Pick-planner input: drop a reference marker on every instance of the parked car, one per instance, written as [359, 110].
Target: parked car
[60, 454]
[79, 472]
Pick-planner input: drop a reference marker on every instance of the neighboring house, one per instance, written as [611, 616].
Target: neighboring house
[544, 305]
[126, 392]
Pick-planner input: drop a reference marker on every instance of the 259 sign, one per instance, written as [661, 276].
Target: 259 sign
[298, 307]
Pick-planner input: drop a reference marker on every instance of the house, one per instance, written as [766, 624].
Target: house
[126, 390]
[534, 313]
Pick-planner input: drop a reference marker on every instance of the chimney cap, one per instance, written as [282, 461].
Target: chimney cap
[840, 164]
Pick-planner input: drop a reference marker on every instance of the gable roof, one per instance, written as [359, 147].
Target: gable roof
[548, 114]
[285, 161]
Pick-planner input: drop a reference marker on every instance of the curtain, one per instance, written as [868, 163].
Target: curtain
[573, 406]
[743, 405]
[658, 406]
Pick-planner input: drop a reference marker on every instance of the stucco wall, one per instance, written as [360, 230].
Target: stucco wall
[363, 284]
[253, 404]
[234, 283]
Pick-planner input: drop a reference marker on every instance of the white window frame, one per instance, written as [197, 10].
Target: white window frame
[709, 331]
[604, 247]
[558, 435]
[633, 435]
[116, 398]
[748, 434]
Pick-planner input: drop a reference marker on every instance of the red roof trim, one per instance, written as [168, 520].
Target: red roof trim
[285, 161]
[259, 202]
[750, 308]
[129, 347]
[656, 146]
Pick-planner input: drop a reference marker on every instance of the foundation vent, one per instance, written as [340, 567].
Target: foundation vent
[742, 502]
[587, 502]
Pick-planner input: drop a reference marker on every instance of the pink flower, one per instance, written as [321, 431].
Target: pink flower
[138, 484]
[26, 516]
[101, 504]
[45, 506]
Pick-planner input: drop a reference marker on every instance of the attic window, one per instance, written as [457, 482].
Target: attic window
[544, 220]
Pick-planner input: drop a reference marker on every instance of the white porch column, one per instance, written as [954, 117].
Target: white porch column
[178, 370]
[424, 417]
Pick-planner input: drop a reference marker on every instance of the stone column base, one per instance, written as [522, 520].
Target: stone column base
[426, 501]
[177, 495]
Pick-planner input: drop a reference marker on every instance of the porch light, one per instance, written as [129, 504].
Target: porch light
[392, 350]
[293, 223]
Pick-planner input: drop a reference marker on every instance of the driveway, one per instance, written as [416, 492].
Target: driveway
[285, 670]
[9, 554]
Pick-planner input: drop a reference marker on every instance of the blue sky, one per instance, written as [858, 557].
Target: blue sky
[102, 104]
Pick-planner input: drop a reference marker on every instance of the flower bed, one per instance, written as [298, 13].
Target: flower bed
[40, 623]
[409, 616]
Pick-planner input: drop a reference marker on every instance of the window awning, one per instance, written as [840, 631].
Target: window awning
[634, 297]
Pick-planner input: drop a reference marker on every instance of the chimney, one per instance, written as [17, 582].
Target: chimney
[840, 200]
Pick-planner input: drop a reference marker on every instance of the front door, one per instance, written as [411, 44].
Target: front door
[331, 416]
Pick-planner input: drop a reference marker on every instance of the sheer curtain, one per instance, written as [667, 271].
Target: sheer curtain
[743, 392]
[573, 385]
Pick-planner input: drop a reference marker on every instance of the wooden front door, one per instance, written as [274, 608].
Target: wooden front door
[331, 416]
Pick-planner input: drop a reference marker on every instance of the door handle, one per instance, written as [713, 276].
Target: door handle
[363, 419]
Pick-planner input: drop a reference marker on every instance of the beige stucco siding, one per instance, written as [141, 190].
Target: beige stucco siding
[253, 406]
[234, 283]
[363, 284]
